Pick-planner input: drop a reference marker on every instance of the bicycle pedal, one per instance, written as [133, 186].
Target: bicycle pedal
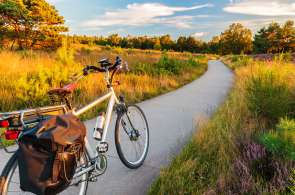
[102, 147]
[93, 179]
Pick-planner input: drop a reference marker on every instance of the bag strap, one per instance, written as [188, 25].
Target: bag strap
[57, 163]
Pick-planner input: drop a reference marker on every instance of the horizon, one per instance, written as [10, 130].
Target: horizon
[200, 19]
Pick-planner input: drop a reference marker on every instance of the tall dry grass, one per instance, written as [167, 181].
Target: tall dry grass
[25, 77]
[226, 155]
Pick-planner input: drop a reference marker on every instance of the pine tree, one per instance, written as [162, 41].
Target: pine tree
[32, 23]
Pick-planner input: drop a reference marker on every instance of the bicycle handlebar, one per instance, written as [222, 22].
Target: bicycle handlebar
[105, 66]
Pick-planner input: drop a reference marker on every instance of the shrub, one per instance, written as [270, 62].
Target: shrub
[118, 50]
[239, 61]
[268, 96]
[168, 66]
[256, 166]
[283, 57]
[281, 141]
[86, 51]
[65, 54]
[31, 88]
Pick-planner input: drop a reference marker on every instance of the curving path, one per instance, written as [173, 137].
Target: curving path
[172, 118]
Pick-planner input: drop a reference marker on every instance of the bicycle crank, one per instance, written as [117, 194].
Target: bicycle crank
[101, 165]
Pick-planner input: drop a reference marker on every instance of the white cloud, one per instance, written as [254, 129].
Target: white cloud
[147, 13]
[52, 2]
[262, 7]
[198, 34]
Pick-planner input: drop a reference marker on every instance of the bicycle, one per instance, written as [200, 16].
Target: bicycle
[131, 128]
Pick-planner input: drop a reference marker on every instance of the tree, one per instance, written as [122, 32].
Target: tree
[166, 42]
[32, 23]
[261, 43]
[114, 40]
[181, 44]
[214, 45]
[157, 43]
[194, 45]
[275, 38]
[287, 41]
[236, 40]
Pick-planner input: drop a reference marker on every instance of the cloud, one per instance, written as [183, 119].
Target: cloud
[142, 14]
[52, 2]
[198, 34]
[262, 7]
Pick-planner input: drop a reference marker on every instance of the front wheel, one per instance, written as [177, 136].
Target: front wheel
[132, 136]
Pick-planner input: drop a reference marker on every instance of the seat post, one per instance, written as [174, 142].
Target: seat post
[68, 103]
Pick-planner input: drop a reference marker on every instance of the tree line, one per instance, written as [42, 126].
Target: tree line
[35, 24]
[237, 39]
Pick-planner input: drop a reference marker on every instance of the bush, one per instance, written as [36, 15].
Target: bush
[268, 96]
[31, 88]
[65, 54]
[239, 61]
[283, 57]
[168, 66]
[281, 141]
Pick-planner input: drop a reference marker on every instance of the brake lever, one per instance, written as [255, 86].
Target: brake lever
[86, 71]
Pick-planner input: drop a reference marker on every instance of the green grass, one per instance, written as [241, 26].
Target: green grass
[281, 140]
[268, 95]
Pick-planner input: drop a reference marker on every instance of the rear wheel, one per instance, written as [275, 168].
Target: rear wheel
[132, 136]
[10, 184]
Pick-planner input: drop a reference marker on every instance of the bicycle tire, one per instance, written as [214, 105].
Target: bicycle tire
[10, 168]
[119, 149]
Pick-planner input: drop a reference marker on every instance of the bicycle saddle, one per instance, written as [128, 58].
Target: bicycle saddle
[68, 89]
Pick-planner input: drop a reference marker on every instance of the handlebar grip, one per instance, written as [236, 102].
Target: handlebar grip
[94, 68]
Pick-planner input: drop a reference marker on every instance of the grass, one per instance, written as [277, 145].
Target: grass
[281, 140]
[228, 154]
[26, 76]
[292, 181]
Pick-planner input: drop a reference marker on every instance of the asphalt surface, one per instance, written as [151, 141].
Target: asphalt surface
[172, 119]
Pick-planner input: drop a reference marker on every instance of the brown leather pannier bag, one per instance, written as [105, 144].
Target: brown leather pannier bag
[48, 154]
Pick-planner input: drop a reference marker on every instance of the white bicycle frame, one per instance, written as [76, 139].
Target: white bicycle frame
[112, 101]
[92, 154]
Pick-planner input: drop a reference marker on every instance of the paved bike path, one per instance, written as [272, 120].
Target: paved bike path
[172, 118]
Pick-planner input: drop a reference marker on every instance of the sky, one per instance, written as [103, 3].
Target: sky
[199, 18]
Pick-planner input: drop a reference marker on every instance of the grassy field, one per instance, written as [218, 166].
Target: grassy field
[26, 76]
[248, 147]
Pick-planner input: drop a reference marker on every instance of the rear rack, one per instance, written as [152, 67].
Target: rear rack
[26, 118]
[22, 118]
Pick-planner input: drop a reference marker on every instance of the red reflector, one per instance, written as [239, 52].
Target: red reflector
[4, 123]
[11, 135]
